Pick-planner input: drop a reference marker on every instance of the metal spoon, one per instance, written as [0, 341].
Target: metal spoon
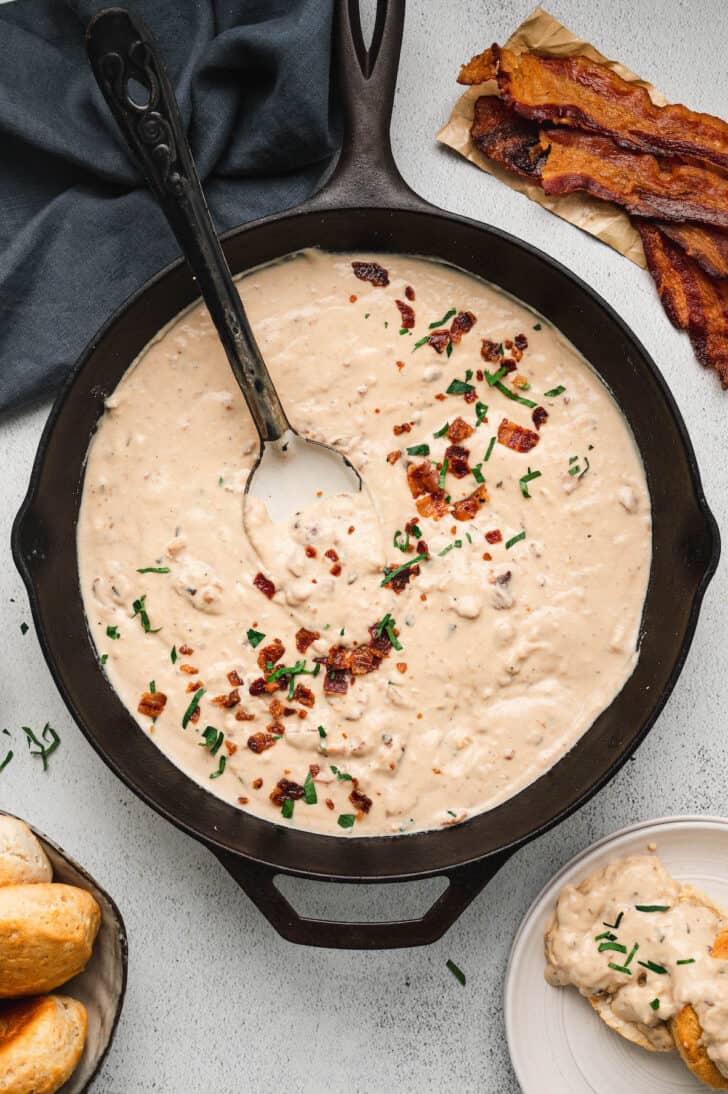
[290, 470]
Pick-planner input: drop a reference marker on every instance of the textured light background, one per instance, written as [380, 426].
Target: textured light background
[216, 1001]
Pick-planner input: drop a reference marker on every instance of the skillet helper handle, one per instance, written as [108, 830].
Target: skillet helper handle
[136, 87]
[465, 882]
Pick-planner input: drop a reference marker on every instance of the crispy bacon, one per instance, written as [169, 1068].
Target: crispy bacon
[409, 292]
[305, 638]
[335, 683]
[693, 301]
[372, 272]
[392, 457]
[491, 351]
[260, 742]
[405, 427]
[499, 133]
[461, 324]
[190, 670]
[482, 67]
[459, 430]
[270, 654]
[439, 340]
[265, 585]
[496, 536]
[285, 790]
[242, 715]
[432, 505]
[457, 460]
[517, 436]
[539, 416]
[338, 658]
[363, 659]
[303, 695]
[152, 703]
[359, 800]
[407, 313]
[228, 701]
[186, 651]
[422, 478]
[708, 246]
[331, 555]
[521, 342]
[578, 91]
[234, 679]
[639, 182]
[401, 580]
[467, 508]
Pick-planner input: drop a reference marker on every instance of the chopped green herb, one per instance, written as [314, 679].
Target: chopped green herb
[309, 790]
[23, 628]
[575, 469]
[194, 703]
[103, 658]
[113, 632]
[173, 655]
[220, 768]
[141, 611]
[632, 952]
[389, 574]
[416, 531]
[653, 967]
[537, 326]
[445, 550]
[287, 808]
[586, 461]
[443, 472]
[152, 688]
[405, 330]
[220, 481]
[655, 1004]
[341, 775]
[346, 820]
[514, 540]
[620, 968]
[450, 812]
[386, 323]
[443, 431]
[573, 459]
[441, 322]
[154, 570]
[322, 733]
[421, 342]
[457, 973]
[525, 479]
[459, 387]
[401, 541]
[686, 961]
[512, 395]
[7, 760]
[491, 445]
[554, 392]
[213, 739]
[255, 637]
[44, 747]
[418, 450]
[477, 473]
[386, 626]
[448, 349]
[481, 409]
[652, 907]
[605, 934]
[616, 946]
[367, 314]
[615, 926]
[292, 671]
[468, 537]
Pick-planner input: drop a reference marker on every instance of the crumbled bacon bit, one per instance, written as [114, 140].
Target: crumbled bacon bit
[302, 713]
[401, 580]
[195, 716]
[259, 686]
[189, 669]
[439, 340]
[329, 804]
[360, 801]
[303, 695]
[185, 651]
[400, 365]
[257, 783]
[335, 683]
[539, 416]
[265, 585]
[520, 381]
[496, 536]
[260, 742]
[337, 658]
[432, 505]
[243, 801]
[459, 430]
[234, 679]
[311, 552]
[470, 396]
[457, 460]
[285, 790]
[461, 324]
[353, 298]
[270, 654]
[441, 397]
[405, 427]
[335, 569]
[508, 364]
[331, 554]
[243, 716]
[402, 667]
[363, 659]
[276, 729]
[521, 342]
[228, 701]
[487, 556]
[407, 313]
[372, 272]
[409, 292]
[305, 638]
[422, 478]
[194, 685]
[350, 529]
[467, 508]
[489, 351]
[231, 748]
[480, 376]
[152, 703]
[392, 457]
[516, 437]
[276, 709]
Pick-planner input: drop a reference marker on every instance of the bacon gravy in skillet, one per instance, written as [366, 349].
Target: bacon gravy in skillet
[369, 672]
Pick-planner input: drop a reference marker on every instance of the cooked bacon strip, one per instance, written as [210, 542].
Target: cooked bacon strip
[482, 67]
[499, 133]
[467, 508]
[461, 324]
[517, 436]
[407, 313]
[708, 246]
[577, 91]
[304, 638]
[152, 703]
[364, 659]
[459, 430]
[372, 272]
[640, 183]
[335, 683]
[439, 340]
[693, 301]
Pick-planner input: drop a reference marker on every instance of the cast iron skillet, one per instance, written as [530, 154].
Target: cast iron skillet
[367, 207]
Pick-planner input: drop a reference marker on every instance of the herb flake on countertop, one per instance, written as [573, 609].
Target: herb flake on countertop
[255, 637]
[194, 703]
[457, 972]
[23, 628]
[46, 746]
[7, 760]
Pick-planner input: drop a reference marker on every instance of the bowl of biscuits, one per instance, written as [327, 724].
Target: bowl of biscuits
[63, 964]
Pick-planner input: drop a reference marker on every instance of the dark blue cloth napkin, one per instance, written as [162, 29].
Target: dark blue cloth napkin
[78, 230]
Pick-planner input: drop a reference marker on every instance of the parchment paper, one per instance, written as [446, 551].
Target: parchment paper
[602, 219]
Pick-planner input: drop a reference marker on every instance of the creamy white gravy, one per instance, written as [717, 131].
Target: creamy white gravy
[675, 941]
[508, 652]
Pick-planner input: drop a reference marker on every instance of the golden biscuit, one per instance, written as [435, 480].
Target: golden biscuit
[688, 1035]
[22, 859]
[41, 1042]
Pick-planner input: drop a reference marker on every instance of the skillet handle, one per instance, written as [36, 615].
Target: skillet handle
[365, 81]
[258, 882]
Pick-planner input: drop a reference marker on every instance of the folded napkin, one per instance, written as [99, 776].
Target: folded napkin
[78, 230]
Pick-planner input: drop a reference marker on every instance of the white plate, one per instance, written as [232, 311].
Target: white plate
[558, 1044]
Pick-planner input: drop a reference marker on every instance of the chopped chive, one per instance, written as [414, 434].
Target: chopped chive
[46, 746]
[254, 637]
[655, 1004]
[367, 314]
[573, 459]
[152, 688]
[103, 658]
[292, 671]
[514, 540]
[491, 445]
[620, 968]
[477, 473]
[220, 481]
[554, 391]
[173, 655]
[525, 479]
[468, 537]
[537, 326]
[416, 531]
[481, 409]
[287, 808]
[653, 967]
[194, 703]
[457, 973]
[342, 776]
[441, 322]
[346, 820]
[404, 330]
[616, 946]
[512, 395]
[586, 461]
[615, 926]
[443, 473]
[443, 431]
[400, 541]
[386, 626]
[686, 961]
[652, 907]
[309, 790]
[23, 628]
[493, 377]
[154, 570]
[421, 342]
[419, 450]
[390, 574]
[213, 738]
[445, 550]
[7, 760]
[448, 349]
[605, 934]
[139, 607]
[460, 387]
[575, 470]
[112, 632]
[450, 812]
[632, 952]
[322, 733]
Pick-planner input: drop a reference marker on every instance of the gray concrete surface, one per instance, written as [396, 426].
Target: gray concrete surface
[216, 1001]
